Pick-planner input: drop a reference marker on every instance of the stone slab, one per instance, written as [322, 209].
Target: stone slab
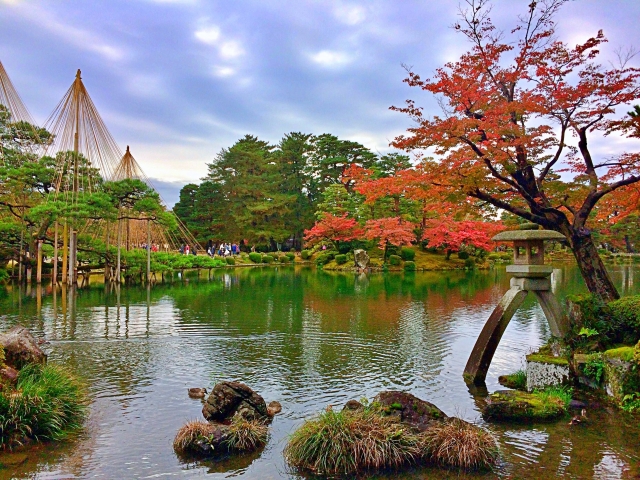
[531, 283]
[530, 271]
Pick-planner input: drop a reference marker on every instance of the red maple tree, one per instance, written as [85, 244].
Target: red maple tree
[518, 114]
[389, 231]
[453, 235]
[333, 229]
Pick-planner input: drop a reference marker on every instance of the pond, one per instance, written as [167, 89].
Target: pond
[308, 339]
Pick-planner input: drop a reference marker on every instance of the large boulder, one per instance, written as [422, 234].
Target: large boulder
[228, 398]
[409, 409]
[20, 348]
[361, 258]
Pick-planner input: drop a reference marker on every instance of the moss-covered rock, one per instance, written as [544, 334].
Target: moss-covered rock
[517, 380]
[409, 409]
[513, 405]
[543, 357]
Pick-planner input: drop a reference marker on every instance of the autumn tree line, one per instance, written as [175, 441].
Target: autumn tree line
[518, 113]
[309, 189]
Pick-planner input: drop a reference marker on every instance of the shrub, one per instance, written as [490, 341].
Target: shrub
[612, 323]
[341, 259]
[344, 247]
[470, 263]
[267, 259]
[346, 442]
[4, 275]
[283, 259]
[410, 266]
[305, 254]
[395, 259]
[255, 257]
[291, 256]
[46, 404]
[407, 254]
[594, 368]
[393, 250]
[494, 256]
[462, 255]
[459, 444]
[324, 258]
[627, 312]
[230, 260]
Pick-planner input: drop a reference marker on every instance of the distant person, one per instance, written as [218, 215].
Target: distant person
[186, 249]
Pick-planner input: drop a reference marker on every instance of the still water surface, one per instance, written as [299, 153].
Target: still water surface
[308, 339]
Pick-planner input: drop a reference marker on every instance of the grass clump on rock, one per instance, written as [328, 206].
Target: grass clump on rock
[516, 380]
[373, 437]
[350, 441]
[246, 435]
[192, 436]
[46, 403]
[459, 444]
[240, 436]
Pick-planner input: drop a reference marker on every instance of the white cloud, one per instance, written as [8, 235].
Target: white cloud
[350, 14]
[209, 35]
[212, 35]
[330, 58]
[222, 71]
[231, 49]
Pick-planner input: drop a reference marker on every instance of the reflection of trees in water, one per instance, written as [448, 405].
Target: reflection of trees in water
[303, 336]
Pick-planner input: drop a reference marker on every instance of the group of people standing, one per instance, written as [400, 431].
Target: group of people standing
[223, 249]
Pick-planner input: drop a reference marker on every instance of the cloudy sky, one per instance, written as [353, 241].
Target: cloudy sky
[178, 80]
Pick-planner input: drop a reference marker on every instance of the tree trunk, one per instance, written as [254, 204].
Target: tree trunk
[593, 270]
[628, 244]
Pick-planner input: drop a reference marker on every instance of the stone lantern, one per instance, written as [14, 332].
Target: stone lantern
[529, 274]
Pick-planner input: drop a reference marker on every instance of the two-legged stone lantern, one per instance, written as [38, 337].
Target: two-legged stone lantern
[530, 274]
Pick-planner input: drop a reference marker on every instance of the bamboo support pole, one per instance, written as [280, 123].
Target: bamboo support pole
[39, 266]
[29, 269]
[148, 251]
[54, 273]
[65, 251]
[106, 263]
[119, 243]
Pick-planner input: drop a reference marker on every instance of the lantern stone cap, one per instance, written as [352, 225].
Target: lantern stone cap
[514, 235]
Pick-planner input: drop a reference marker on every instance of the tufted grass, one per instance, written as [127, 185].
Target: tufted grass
[347, 442]
[47, 403]
[245, 435]
[458, 444]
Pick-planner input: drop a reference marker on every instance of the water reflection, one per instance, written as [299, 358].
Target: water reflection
[305, 338]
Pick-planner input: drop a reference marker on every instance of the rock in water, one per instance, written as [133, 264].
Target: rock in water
[410, 409]
[20, 348]
[228, 398]
[361, 258]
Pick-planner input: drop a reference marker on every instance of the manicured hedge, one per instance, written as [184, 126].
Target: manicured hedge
[407, 254]
[395, 260]
[341, 259]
